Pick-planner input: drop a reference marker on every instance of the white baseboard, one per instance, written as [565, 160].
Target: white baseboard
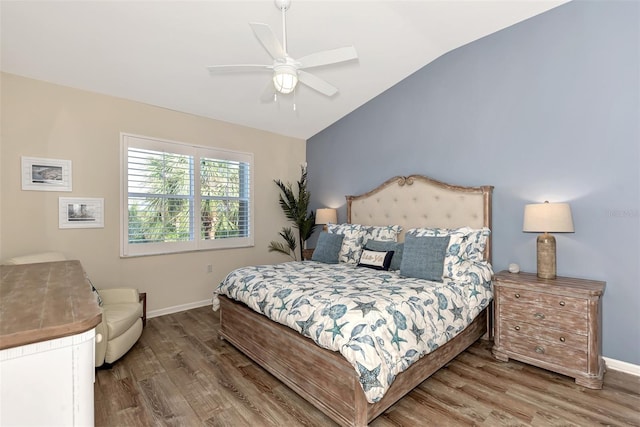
[177, 308]
[618, 365]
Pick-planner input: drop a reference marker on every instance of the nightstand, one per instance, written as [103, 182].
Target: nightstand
[554, 324]
[307, 254]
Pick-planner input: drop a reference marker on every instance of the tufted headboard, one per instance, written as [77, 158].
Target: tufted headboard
[418, 201]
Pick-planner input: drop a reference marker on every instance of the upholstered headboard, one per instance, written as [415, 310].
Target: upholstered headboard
[419, 201]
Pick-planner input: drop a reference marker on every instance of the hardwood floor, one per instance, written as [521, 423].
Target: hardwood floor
[181, 374]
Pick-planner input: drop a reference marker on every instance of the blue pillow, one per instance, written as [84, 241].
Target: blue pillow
[328, 248]
[380, 246]
[423, 257]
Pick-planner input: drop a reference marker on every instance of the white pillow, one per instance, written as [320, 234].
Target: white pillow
[388, 233]
[352, 243]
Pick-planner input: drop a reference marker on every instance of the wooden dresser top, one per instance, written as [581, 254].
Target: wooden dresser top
[45, 301]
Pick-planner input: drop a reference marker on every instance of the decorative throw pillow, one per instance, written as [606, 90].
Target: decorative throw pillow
[375, 260]
[466, 243]
[327, 248]
[388, 233]
[423, 257]
[95, 291]
[353, 241]
[397, 248]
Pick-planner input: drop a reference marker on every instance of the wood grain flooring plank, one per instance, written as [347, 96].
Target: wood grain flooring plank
[300, 411]
[241, 395]
[559, 392]
[119, 393]
[204, 401]
[181, 373]
[549, 405]
[437, 408]
[141, 361]
[166, 406]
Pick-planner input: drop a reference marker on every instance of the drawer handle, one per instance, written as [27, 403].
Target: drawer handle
[517, 295]
[562, 304]
[517, 328]
[539, 350]
[562, 339]
[539, 316]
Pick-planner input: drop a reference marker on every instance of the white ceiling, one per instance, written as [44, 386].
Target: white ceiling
[156, 51]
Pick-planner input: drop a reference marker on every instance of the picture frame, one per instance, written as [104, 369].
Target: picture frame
[76, 212]
[40, 174]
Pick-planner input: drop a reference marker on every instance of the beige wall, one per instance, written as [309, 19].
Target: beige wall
[45, 120]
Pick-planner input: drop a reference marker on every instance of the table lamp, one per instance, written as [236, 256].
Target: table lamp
[546, 218]
[326, 216]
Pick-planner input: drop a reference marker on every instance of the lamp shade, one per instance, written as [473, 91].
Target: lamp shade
[285, 79]
[326, 216]
[548, 218]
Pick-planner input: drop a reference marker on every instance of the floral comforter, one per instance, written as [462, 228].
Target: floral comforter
[379, 321]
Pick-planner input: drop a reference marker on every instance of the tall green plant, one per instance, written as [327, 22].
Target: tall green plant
[296, 209]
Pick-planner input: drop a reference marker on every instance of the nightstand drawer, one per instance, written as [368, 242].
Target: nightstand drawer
[511, 330]
[544, 310]
[557, 354]
[541, 299]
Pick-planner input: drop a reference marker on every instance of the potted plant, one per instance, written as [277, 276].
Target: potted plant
[296, 209]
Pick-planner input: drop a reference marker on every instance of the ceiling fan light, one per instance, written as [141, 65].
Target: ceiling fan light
[285, 80]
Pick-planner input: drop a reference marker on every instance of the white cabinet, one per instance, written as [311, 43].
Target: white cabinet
[49, 382]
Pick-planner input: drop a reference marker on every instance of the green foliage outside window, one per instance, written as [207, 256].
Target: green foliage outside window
[162, 199]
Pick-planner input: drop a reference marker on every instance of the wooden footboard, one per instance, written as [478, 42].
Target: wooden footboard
[323, 377]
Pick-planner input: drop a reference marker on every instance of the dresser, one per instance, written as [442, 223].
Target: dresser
[48, 316]
[554, 324]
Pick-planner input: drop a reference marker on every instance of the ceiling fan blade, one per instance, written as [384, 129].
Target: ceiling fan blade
[242, 68]
[327, 57]
[316, 83]
[268, 39]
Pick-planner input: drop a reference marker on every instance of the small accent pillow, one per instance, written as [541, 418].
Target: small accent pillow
[397, 248]
[375, 260]
[328, 248]
[95, 291]
[423, 257]
[353, 241]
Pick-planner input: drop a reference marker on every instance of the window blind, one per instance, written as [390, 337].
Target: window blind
[169, 210]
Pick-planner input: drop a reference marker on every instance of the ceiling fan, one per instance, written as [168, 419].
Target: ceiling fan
[287, 71]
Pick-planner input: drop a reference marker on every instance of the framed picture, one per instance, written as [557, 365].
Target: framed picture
[80, 212]
[46, 174]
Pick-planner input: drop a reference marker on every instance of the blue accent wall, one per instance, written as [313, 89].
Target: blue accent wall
[548, 109]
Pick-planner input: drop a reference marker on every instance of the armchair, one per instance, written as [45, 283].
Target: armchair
[122, 314]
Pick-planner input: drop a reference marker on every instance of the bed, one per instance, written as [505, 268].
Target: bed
[324, 377]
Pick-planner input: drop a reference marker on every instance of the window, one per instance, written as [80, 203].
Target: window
[178, 197]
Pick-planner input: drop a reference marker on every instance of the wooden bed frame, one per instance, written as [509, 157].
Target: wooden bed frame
[324, 378]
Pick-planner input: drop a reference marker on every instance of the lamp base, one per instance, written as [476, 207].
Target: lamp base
[546, 256]
[546, 245]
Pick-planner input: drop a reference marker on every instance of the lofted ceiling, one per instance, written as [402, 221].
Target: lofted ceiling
[156, 52]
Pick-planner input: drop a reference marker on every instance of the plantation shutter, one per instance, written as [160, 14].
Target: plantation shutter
[178, 197]
[225, 202]
[161, 199]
